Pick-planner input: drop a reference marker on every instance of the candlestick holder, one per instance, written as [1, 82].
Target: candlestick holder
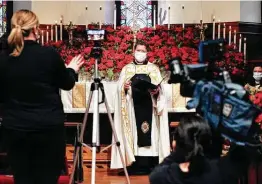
[183, 31]
[202, 28]
[70, 28]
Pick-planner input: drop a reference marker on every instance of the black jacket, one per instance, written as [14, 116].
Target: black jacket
[226, 170]
[30, 87]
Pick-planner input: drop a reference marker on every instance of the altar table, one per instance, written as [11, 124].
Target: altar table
[75, 100]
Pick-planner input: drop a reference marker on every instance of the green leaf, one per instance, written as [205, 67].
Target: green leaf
[110, 73]
[101, 74]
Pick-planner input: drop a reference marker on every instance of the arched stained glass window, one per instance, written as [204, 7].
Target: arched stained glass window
[136, 13]
[3, 15]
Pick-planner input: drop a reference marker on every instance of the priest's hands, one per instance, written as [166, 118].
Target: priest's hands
[127, 85]
[76, 63]
[155, 91]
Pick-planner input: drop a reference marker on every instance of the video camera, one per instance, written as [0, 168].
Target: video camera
[97, 36]
[225, 105]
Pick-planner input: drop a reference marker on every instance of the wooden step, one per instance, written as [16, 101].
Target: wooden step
[102, 160]
[87, 154]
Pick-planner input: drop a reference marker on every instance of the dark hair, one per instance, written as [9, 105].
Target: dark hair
[192, 136]
[140, 42]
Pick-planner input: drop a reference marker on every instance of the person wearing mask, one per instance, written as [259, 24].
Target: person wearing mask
[33, 117]
[253, 87]
[254, 84]
[140, 117]
[188, 164]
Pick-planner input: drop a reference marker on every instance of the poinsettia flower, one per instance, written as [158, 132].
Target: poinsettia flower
[178, 29]
[120, 33]
[123, 46]
[163, 45]
[109, 63]
[139, 36]
[129, 37]
[109, 29]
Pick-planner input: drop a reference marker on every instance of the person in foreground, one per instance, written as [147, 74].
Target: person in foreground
[188, 163]
[33, 117]
[140, 118]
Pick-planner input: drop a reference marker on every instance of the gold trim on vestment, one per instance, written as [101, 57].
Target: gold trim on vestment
[79, 95]
[130, 71]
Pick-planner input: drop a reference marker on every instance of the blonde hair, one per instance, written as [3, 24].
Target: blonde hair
[23, 21]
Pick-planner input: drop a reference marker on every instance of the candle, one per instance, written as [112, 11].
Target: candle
[86, 20]
[52, 35]
[42, 37]
[235, 37]
[240, 43]
[224, 31]
[245, 49]
[56, 31]
[100, 22]
[47, 34]
[214, 27]
[201, 12]
[115, 17]
[183, 24]
[168, 25]
[229, 36]
[61, 28]
[218, 36]
[154, 15]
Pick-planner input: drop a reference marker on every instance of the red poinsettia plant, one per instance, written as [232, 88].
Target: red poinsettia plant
[233, 61]
[257, 100]
[163, 45]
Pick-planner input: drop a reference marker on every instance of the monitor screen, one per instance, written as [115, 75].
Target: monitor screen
[96, 35]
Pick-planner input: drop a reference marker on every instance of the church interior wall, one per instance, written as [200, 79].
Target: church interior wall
[49, 11]
[250, 11]
[194, 11]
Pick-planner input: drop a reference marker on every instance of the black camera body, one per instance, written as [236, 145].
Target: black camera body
[225, 105]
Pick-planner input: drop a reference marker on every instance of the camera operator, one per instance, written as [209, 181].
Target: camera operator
[33, 117]
[188, 163]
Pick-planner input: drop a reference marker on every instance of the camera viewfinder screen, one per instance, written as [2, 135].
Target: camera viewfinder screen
[96, 35]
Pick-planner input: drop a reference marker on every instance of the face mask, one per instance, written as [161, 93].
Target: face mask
[140, 56]
[257, 76]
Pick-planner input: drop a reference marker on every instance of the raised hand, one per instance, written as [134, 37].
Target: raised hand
[76, 63]
[155, 91]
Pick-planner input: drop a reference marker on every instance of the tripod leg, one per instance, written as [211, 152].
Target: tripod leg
[116, 139]
[81, 138]
[95, 133]
[97, 121]
[80, 176]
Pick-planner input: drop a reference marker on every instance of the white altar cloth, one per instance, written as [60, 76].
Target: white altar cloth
[73, 99]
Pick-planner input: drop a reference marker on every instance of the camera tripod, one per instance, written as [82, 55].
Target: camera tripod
[95, 146]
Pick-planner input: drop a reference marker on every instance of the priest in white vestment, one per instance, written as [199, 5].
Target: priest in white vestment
[140, 136]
